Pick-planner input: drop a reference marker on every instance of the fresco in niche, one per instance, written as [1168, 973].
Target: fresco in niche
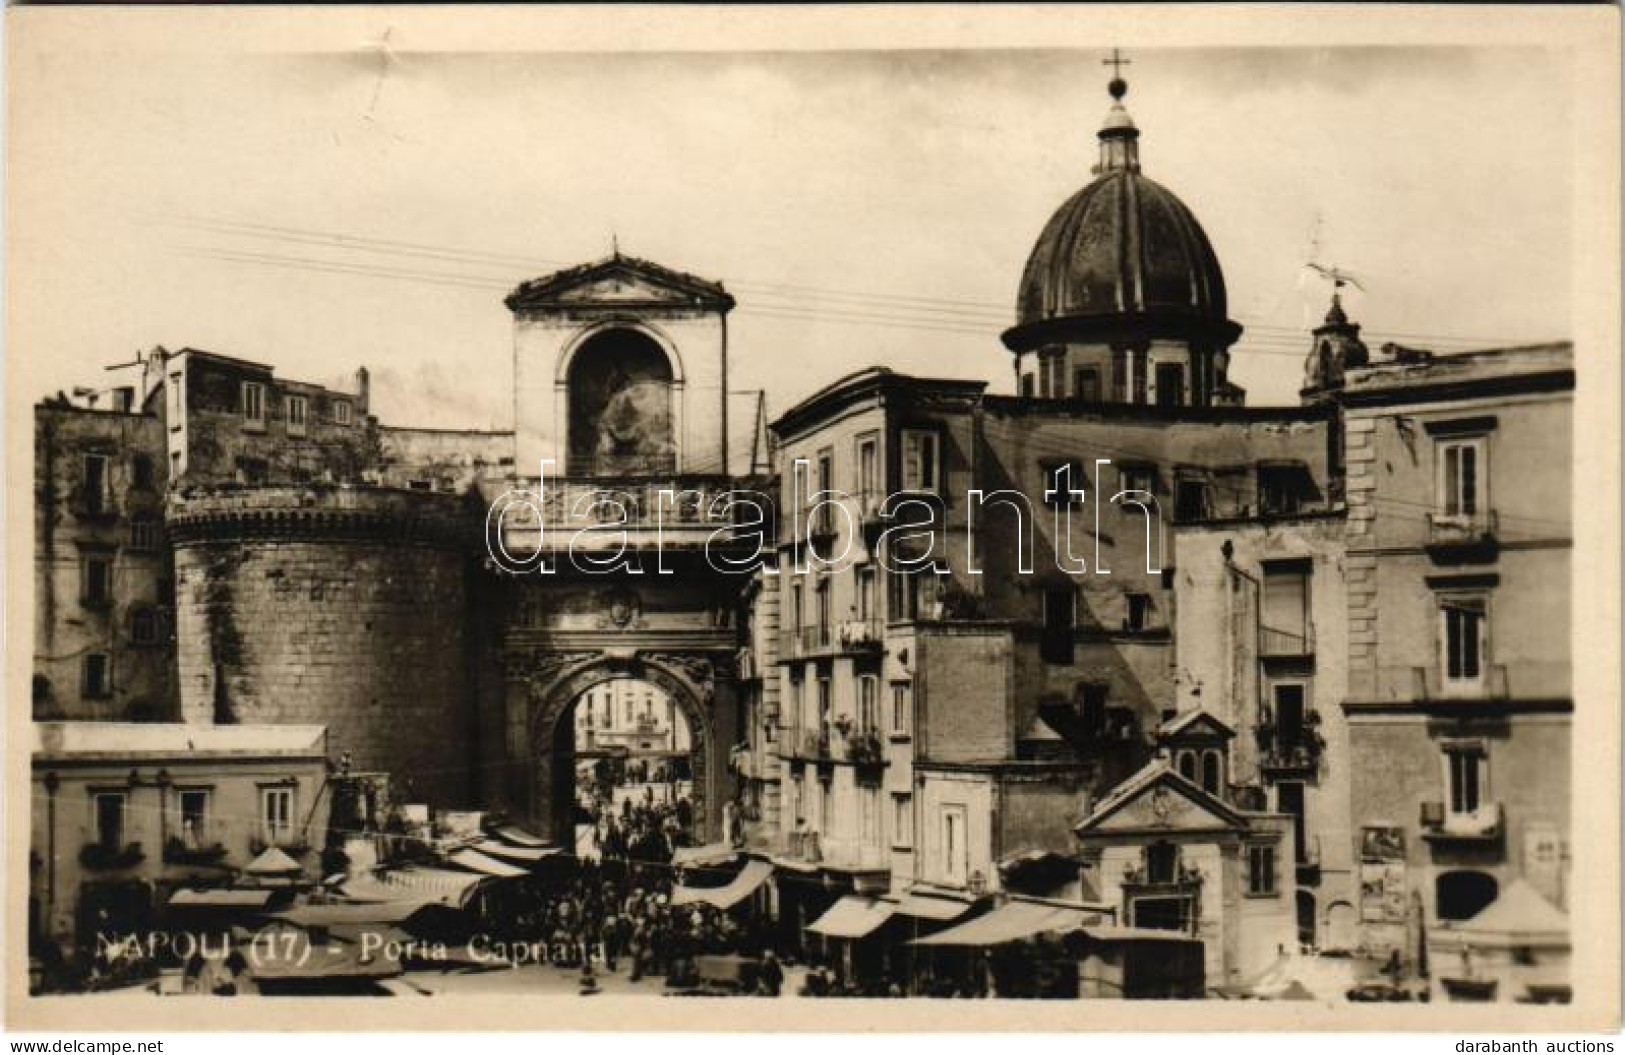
[620, 407]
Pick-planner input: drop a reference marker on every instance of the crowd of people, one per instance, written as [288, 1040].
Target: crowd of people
[614, 908]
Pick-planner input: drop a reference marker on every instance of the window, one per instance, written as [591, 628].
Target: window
[1190, 500]
[955, 851]
[795, 704]
[177, 400]
[108, 807]
[1186, 763]
[866, 595]
[96, 581]
[826, 703]
[1027, 385]
[144, 532]
[1462, 639]
[96, 492]
[1464, 768]
[1060, 612]
[824, 481]
[1139, 478]
[194, 817]
[821, 592]
[276, 816]
[869, 819]
[1139, 611]
[921, 464]
[869, 469]
[95, 678]
[826, 806]
[1170, 384]
[899, 709]
[144, 626]
[869, 703]
[1289, 800]
[1086, 384]
[1461, 463]
[141, 478]
[796, 608]
[1260, 870]
[1284, 622]
[253, 396]
[1461, 895]
[298, 409]
[1280, 490]
[1161, 863]
[252, 470]
[341, 412]
[902, 820]
[1063, 482]
[903, 598]
[1213, 772]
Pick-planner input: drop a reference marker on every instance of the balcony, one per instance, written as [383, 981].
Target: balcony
[1286, 644]
[1463, 534]
[862, 748]
[804, 846]
[1139, 882]
[193, 851]
[1480, 827]
[811, 745]
[853, 637]
[672, 512]
[102, 856]
[1430, 685]
[1286, 754]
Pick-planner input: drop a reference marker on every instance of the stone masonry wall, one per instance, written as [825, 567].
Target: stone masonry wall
[326, 626]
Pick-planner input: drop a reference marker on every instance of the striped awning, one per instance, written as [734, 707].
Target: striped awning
[415, 882]
[222, 898]
[527, 855]
[853, 917]
[922, 906]
[474, 861]
[1013, 921]
[743, 885]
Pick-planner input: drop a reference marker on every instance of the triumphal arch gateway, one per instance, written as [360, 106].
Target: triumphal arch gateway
[611, 554]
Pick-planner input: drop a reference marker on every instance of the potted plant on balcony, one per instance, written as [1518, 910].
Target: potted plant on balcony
[100, 855]
[180, 851]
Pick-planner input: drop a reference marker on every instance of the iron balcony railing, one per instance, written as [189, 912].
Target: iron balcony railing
[819, 639]
[1463, 529]
[1273, 643]
[1481, 825]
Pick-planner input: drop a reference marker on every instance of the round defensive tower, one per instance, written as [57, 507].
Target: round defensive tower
[339, 606]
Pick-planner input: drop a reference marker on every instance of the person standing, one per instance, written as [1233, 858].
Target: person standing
[770, 979]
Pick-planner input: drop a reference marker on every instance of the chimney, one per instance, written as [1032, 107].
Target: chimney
[363, 389]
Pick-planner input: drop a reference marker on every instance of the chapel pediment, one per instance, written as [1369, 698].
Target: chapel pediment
[1158, 799]
[619, 282]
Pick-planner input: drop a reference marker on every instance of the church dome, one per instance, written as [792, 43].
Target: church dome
[1122, 259]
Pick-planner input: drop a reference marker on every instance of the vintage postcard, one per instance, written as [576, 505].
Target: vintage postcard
[984, 517]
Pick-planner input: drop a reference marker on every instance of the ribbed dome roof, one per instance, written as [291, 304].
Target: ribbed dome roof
[1122, 244]
[1123, 257]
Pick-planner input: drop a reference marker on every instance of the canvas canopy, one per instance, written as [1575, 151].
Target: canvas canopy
[709, 854]
[222, 898]
[358, 914]
[474, 861]
[919, 906]
[1519, 917]
[519, 837]
[273, 862]
[1013, 921]
[742, 886]
[415, 883]
[853, 917]
[529, 855]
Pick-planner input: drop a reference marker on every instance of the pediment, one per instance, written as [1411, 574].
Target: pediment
[620, 281]
[1164, 802]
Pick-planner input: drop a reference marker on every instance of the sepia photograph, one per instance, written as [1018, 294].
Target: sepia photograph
[792, 506]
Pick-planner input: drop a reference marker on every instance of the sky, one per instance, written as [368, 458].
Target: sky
[324, 211]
